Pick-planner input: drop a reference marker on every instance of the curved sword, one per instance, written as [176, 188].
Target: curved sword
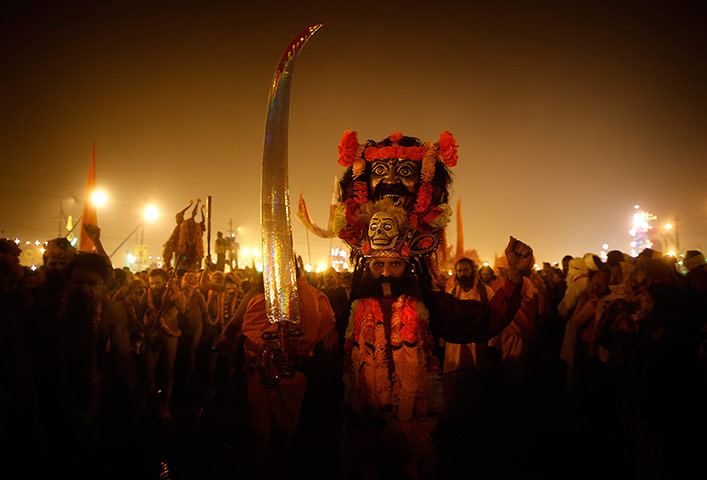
[279, 274]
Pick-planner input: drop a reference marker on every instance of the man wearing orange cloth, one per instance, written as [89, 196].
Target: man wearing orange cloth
[275, 412]
[392, 213]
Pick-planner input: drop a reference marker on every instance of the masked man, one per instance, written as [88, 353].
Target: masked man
[392, 212]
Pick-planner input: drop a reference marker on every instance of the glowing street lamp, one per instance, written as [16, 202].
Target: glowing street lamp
[150, 213]
[99, 198]
[668, 226]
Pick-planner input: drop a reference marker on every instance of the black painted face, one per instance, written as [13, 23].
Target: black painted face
[396, 178]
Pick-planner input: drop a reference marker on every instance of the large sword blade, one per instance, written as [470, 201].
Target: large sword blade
[279, 273]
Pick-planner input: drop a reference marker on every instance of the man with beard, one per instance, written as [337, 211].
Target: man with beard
[392, 212]
[465, 365]
[57, 254]
[160, 308]
[391, 374]
[86, 388]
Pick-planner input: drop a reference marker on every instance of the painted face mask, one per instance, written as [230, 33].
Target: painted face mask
[383, 231]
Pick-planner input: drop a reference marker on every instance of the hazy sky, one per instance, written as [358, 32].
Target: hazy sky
[566, 113]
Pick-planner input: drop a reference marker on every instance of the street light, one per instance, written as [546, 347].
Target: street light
[149, 214]
[99, 198]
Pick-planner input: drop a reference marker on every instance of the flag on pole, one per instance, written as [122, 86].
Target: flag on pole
[306, 219]
[89, 215]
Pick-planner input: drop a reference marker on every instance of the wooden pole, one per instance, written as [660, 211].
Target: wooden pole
[208, 228]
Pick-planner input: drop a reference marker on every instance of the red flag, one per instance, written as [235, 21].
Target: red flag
[89, 215]
[306, 219]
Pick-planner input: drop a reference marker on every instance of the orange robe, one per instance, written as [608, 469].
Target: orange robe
[279, 409]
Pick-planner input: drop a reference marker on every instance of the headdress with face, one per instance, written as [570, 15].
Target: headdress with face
[412, 175]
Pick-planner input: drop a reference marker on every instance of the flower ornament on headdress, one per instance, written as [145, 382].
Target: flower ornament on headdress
[425, 215]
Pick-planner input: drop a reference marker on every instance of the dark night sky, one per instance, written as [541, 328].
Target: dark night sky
[566, 113]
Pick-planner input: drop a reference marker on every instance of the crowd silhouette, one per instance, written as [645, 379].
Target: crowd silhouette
[107, 372]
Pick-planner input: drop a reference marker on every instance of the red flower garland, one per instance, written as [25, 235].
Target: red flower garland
[424, 197]
[347, 148]
[412, 153]
[448, 149]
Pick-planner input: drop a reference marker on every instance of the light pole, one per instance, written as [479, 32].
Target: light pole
[149, 214]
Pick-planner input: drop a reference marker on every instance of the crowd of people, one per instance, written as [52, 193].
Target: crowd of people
[91, 355]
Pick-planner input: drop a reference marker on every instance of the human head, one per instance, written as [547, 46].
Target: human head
[465, 272]
[218, 277]
[614, 257]
[10, 270]
[566, 263]
[331, 278]
[694, 259]
[386, 277]
[136, 288]
[190, 280]
[87, 276]
[157, 279]
[219, 234]
[57, 254]
[599, 283]
[501, 267]
[230, 284]
[486, 274]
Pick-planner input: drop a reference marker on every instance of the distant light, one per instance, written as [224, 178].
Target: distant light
[131, 258]
[244, 252]
[668, 226]
[537, 267]
[37, 243]
[74, 241]
[671, 253]
[28, 242]
[321, 267]
[485, 264]
[33, 268]
[308, 268]
[99, 198]
[149, 257]
[605, 246]
[17, 241]
[259, 266]
[637, 206]
[255, 252]
[42, 250]
[150, 213]
[158, 258]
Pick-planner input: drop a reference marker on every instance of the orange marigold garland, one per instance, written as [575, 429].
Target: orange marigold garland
[370, 380]
[347, 148]
[448, 149]
[424, 215]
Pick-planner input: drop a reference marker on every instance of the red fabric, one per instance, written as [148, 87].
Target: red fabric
[280, 408]
[89, 215]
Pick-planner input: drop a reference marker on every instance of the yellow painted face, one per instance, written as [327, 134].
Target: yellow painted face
[383, 231]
